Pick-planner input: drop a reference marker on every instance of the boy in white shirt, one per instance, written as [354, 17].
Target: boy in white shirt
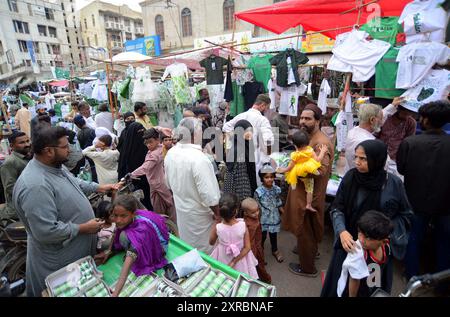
[367, 264]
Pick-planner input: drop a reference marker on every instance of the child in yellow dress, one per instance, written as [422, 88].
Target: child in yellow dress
[304, 161]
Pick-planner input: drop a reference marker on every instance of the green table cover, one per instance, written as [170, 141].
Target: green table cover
[111, 269]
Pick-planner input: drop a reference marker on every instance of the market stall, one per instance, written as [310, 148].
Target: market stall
[215, 279]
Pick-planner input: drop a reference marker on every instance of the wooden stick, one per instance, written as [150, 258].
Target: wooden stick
[346, 90]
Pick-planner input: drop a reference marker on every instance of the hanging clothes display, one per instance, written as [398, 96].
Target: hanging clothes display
[354, 53]
[325, 90]
[216, 93]
[228, 96]
[435, 86]
[100, 91]
[166, 100]
[416, 59]
[274, 93]
[386, 75]
[287, 66]
[424, 20]
[251, 90]
[289, 99]
[383, 29]
[214, 69]
[145, 89]
[179, 74]
[261, 68]
[237, 106]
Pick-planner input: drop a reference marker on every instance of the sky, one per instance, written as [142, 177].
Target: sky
[133, 4]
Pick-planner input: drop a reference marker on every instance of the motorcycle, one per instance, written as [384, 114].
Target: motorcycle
[13, 255]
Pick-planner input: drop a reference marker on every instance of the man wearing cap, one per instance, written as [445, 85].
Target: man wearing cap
[23, 119]
[40, 110]
[307, 226]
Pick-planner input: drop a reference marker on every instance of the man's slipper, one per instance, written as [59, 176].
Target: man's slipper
[295, 268]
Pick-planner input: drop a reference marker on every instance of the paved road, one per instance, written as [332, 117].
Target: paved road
[291, 285]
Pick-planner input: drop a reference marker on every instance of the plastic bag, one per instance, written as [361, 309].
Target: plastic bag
[188, 263]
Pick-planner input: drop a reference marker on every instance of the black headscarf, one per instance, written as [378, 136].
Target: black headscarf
[132, 149]
[372, 183]
[240, 143]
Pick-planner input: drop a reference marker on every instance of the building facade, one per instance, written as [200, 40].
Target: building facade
[104, 22]
[78, 55]
[32, 39]
[180, 22]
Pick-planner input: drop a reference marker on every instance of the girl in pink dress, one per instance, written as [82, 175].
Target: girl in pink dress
[233, 245]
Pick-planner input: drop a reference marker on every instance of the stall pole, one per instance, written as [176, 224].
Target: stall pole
[111, 104]
[346, 91]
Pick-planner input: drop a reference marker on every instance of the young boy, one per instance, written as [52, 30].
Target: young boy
[167, 143]
[368, 266]
[250, 208]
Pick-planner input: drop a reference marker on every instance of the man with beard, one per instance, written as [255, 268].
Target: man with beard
[11, 169]
[262, 131]
[308, 227]
[140, 112]
[53, 207]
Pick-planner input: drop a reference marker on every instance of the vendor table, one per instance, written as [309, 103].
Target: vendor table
[111, 269]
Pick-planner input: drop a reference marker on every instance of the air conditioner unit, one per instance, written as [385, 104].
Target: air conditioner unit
[109, 25]
[52, 35]
[128, 28]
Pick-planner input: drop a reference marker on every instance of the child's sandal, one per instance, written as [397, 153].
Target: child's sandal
[278, 256]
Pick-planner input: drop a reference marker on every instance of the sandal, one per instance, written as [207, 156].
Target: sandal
[278, 256]
[295, 268]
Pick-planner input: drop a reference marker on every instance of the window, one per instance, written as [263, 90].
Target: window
[159, 26]
[42, 29]
[13, 5]
[52, 63]
[28, 62]
[127, 22]
[1, 49]
[89, 41]
[49, 14]
[56, 49]
[62, 6]
[22, 46]
[186, 22]
[128, 36]
[48, 49]
[96, 39]
[51, 31]
[21, 27]
[36, 47]
[39, 62]
[228, 14]
[59, 64]
[93, 20]
[85, 24]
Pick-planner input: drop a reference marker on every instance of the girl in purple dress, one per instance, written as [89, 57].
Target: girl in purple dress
[143, 235]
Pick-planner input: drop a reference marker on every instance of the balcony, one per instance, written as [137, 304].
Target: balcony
[128, 29]
[139, 30]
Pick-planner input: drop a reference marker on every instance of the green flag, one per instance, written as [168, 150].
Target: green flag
[26, 99]
[61, 73]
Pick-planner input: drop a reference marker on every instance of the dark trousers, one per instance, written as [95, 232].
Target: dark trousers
[273, 240]
[441, 237]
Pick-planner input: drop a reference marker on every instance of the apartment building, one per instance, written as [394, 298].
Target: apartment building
[32, 39]
[104, 22]
[180, 22]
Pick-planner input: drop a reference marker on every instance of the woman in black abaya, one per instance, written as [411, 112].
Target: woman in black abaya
[132, 155]
[366, 187]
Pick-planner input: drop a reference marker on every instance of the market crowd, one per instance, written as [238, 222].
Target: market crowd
[372, 212]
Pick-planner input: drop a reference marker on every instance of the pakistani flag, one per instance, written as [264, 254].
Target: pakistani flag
[26, 99]
[61, 73]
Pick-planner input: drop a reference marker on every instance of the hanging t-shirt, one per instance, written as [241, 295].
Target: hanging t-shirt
[384, 29]
[274, 93]
[179, 72]
[289, 99]
[386, 75]
[417, 6]
[214, 69]
[251, 90]
[262, 69]
[416, 59]
[324, 91]
[435, 86]
[357, 55]
[343, 124]
[291, 76]
[237, 106]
